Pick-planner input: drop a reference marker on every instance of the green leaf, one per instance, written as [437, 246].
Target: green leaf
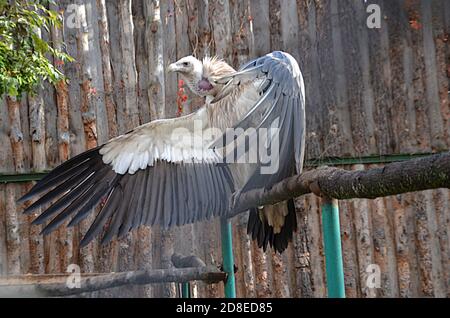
[25, 58]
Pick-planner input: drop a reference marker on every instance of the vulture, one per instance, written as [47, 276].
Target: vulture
[249, 134]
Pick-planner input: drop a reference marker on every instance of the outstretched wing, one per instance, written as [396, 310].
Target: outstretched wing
[156, 174]
[280, 112]
[160, 173]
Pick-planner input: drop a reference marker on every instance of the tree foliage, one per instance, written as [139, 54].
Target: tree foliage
[25, 58]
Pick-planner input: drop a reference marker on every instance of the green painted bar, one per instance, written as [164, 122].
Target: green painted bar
[333, 248]
[185, 290]
[227, 255]
[21, 177]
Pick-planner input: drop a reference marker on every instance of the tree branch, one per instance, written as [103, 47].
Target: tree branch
[55, 285]
[430, 172]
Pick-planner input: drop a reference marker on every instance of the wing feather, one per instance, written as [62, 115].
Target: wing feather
[132, 205]
[77, 204]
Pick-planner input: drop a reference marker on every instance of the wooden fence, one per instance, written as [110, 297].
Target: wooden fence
[370, 92]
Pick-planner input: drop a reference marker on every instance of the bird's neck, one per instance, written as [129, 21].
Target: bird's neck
[191, 81]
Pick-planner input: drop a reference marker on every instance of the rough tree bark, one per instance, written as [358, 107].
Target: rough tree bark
[431, 172]
[57, 285]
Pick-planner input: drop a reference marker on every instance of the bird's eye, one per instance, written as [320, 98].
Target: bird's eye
[185, 63]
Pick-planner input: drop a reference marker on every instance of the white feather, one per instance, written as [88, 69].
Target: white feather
[122, 162]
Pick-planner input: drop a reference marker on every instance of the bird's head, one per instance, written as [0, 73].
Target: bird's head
[199, 75]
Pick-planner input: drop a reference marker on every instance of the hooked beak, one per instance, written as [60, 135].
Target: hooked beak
[172, 68]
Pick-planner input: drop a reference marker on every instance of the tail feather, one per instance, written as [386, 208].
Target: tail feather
[263, 233]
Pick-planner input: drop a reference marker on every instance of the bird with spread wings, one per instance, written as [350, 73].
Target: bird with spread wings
[182, 170]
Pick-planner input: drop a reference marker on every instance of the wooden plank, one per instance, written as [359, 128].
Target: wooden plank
[116, 63]
[381, 83]
[141, 54]
[260, 27]
[289, 259]
[238, 261]
[154, 38]
[3, 233]
[6, 164]
[446, 17]
[304, 271]
[94, 72]
[240, 32]
[309, 63]
[15, 133]
[350, 259]
[51, 126]
[191, 29]
[326, 82]
[364, 244]
[219, 12]
[401, 55]
[424, 246]
[343, 123]
[384, 255]
[432, 87]
[289, 27]
[246, 266]
[437, 270]
[182, 24]
[77, 142]
[204, 30]
[280, 279]
[317, 259]
[402, 246]
[416, 73]
[441, 200]
[25, 125]
[35, 240]
[37, 131]
[129, 81]
[275, 25]
[261, 269]
[212, 252]
[411, 215]
[24, 230]
[62, 98]
[87, 107]
[13, 240]
[352, 17]
[110, 103]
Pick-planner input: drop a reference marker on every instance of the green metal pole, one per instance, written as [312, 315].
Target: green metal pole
[333, 249]
[185, 290]
[227, 255]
